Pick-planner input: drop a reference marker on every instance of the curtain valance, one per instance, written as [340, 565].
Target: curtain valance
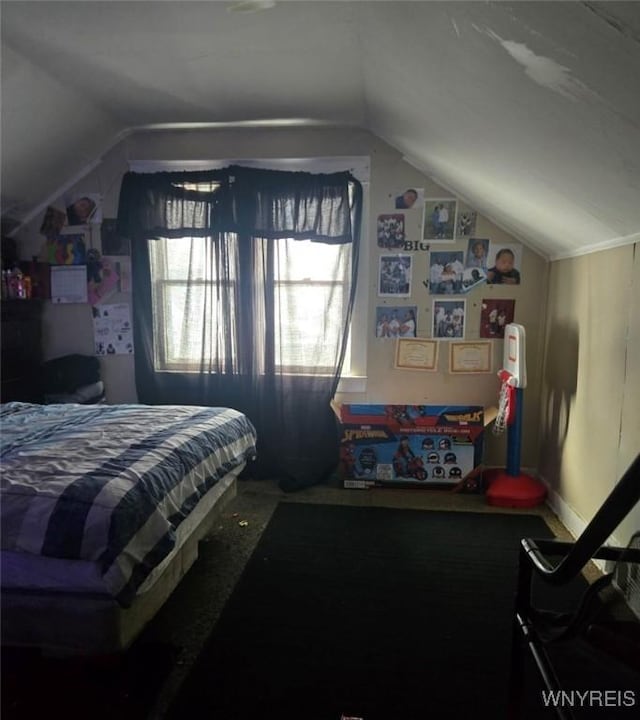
[248, 201]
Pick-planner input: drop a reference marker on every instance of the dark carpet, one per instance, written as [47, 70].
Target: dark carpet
[376, 613]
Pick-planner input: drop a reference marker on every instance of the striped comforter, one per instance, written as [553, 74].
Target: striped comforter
[111, 483]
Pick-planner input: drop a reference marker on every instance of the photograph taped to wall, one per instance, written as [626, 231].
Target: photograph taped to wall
[495, 315]
[83, 208]
[396, 321]
[439, 221]
[394, 279]
[53, 222]
[449, 319]
[408, 198]
[477, 254]
[466, 222]
[445, 272]
[472, 277]
[390, 231]
[107, 281]
[504, 263]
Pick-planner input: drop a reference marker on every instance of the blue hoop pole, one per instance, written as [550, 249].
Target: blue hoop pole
[514, 437]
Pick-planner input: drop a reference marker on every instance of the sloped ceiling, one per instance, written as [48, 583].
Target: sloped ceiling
[530, 111]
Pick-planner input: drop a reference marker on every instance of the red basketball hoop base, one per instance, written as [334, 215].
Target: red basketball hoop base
[517, 491]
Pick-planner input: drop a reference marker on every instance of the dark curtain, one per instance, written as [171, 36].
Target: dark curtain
[240, 224]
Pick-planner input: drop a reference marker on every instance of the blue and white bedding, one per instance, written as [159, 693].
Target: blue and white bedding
[110, 484]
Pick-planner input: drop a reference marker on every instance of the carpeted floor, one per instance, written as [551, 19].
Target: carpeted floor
[371, 612]
[167, 650]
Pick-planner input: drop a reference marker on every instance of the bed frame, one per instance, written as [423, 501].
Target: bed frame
[93, 624]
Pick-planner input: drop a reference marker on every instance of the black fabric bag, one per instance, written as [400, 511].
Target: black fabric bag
[68, 373]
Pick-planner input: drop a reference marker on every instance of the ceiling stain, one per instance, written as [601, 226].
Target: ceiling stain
[545, 71]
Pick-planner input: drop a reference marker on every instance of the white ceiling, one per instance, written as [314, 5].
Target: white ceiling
[530, 111]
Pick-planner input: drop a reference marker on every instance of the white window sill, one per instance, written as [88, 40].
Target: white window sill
[352, 384]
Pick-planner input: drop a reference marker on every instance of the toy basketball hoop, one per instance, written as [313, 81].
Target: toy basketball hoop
[510, 487]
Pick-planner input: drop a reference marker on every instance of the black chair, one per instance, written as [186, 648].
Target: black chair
[591, 644]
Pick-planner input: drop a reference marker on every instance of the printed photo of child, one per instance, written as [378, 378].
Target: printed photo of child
[83, 209]
[409, 199]
[503, 270]
[477, 251]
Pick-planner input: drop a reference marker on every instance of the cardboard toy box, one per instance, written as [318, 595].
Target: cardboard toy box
[410, 445]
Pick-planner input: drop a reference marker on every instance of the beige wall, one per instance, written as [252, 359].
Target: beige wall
[386, 384]
[590, 420]
[69, 328]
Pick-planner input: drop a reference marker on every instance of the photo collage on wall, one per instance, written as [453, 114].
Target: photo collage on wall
[433, 242]
[458, 272]
[88, 262]
[398, 237]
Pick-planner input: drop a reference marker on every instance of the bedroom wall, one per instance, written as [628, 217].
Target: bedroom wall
[52, 108]
[590, 419]
[68, 328]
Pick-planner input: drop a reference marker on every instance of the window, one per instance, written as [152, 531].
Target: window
[183, 285]
[312, 291]
[311, 285]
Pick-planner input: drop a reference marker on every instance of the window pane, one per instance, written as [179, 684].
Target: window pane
[311, 294]
[185, 290]
[310, 319]
[312, 281]
[303, 259]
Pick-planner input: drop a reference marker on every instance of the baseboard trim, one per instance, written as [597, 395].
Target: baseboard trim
[574, 523]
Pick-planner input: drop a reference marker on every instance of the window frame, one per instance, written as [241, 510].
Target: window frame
[353, 378]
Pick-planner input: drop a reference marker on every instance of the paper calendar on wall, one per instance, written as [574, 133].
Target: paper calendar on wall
[69, 283]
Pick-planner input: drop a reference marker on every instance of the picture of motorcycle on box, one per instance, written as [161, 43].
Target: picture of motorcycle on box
[406, 463]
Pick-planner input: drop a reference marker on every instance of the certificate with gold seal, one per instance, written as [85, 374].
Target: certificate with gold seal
[417, 354]
[470, 357]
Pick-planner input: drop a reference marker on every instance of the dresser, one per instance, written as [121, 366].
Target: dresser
[21, 350]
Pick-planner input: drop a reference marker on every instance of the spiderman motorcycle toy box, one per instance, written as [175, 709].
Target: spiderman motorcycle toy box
[410, 446]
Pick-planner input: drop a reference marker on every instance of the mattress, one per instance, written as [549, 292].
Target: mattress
[93, 497]
[34, 573]
[65, 623]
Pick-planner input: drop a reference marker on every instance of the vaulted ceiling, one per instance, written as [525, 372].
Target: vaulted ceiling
[530, 111]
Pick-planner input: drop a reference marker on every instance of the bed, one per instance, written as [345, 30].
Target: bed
[102, 510]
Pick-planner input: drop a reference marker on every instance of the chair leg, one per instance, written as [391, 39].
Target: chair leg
[525, 640]
[516, 674]
[522, 605]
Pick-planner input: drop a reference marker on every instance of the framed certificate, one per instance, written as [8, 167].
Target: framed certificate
[470, 357]
[417, 354]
